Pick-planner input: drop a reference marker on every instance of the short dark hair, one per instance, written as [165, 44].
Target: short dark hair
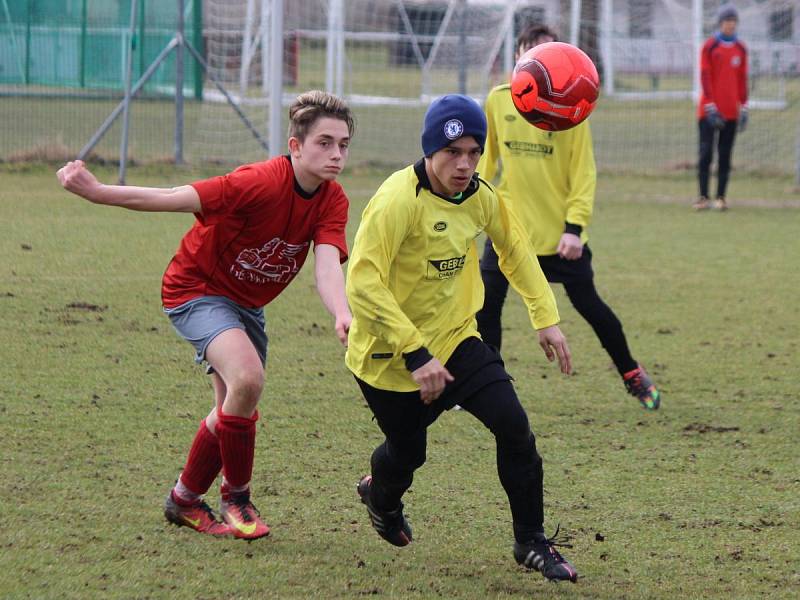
[530, 35]
[314, 105]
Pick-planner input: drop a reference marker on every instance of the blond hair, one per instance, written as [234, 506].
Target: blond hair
[311, 106]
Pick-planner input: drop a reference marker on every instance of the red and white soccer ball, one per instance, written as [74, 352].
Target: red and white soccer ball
[555, 86]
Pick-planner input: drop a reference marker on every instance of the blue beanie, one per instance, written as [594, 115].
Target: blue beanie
[449, 118]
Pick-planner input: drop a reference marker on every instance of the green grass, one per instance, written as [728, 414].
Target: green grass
[100, 400]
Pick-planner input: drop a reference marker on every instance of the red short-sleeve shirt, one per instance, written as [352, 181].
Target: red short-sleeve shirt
[253, 234]
[723, 75]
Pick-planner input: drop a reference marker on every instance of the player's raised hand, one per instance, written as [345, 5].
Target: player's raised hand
[555, 345]
[431, 378]
[570, 246]
[76, 178]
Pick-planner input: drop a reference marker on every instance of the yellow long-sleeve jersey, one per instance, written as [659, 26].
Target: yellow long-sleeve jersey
[413, 278]
[547, 179]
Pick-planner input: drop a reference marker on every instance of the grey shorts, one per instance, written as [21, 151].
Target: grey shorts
[201, 319]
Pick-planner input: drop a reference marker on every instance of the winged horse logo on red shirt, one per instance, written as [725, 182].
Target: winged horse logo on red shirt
[275, 260]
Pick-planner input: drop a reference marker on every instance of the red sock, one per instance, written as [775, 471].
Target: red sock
[631, 373]
[227, 491]
[204, 461]
[237, 442]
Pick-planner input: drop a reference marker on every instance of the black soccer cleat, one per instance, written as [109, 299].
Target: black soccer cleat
[391, 525]
[639, 384]
[540, 554]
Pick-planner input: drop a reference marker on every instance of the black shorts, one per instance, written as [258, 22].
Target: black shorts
[555, 268]
[473, 365]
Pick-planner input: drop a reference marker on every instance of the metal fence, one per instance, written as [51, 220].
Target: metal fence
[63, 66]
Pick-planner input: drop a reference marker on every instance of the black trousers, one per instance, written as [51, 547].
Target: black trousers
[725, 138]
[578, 279]
[483, 388]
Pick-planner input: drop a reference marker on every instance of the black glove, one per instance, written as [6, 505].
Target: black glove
[743, 118]
[713, 116]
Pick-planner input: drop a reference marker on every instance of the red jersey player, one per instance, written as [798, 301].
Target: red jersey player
[723, 103]
[252, 233]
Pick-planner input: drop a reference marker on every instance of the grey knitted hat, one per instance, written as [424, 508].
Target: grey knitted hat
[727, 12]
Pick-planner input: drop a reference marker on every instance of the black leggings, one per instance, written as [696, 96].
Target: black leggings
[584, 298]
[725, 140]
[404, 420]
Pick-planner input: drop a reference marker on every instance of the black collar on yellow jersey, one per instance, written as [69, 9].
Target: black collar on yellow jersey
[425, 182]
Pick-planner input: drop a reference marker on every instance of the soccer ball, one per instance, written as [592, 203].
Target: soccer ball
[555, 86]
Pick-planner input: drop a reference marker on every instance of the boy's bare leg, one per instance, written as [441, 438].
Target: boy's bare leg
[239, 374]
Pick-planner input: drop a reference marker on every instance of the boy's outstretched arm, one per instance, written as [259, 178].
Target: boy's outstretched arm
[76, 178]
[330, 286]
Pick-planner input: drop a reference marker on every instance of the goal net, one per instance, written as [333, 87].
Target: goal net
[389, 58]
[648, 52]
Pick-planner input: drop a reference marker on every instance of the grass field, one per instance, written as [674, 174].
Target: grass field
[101, 398]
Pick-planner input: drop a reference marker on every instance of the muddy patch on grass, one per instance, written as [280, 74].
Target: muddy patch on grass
[69, 314]
[86, 306]
[707, 428]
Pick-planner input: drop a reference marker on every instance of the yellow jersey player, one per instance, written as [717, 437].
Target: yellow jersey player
[414, 287]
[548, 181]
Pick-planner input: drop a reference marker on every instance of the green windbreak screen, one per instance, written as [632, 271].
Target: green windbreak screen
[84, 43]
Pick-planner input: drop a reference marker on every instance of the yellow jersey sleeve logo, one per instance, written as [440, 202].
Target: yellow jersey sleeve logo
[445, 268]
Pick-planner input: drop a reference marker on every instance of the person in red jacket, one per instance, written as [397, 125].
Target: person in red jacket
[723, 104]
[252, 232]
